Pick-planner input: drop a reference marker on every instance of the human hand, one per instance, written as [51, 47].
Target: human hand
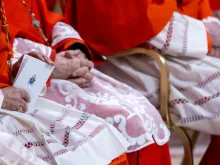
[75, 53]
[15, 99]
[36, 55]
[71, 64]
[82, 76]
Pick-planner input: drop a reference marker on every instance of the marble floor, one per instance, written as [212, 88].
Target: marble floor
[176, 149]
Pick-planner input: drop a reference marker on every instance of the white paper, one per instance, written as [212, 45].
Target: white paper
[32, 77]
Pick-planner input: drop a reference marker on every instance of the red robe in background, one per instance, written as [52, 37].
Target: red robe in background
[127, 25]
[128, 31]
[199, 9]
[51, 4]
[215, 4]
[21, 27]
[4, 57]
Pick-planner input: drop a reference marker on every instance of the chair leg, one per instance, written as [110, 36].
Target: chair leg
[194, 138]
[188, 156]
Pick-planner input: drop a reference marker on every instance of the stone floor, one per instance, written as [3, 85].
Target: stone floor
[176, 149]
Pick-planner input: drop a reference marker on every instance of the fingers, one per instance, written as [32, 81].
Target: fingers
[85, 77]
[84, 81]
[24, 95]
[37, 55]
[75, 64]
[78, 81]
[48, 60]
[86, 63]
[17, 104]
[41, 57]
[80, 72]
[72, 53]
[88, 76]
[86, 85]
[22, 104]
[15, 99]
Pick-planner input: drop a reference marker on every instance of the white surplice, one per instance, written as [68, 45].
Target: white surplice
[125, 108]
[56, 135]
[194, 75]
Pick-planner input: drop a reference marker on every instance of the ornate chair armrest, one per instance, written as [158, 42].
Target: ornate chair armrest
[164, 78]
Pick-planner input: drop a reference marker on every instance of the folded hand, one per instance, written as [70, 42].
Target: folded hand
[74, 66]
[15, 99]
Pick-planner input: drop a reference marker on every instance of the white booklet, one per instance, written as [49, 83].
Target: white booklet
[32, 77]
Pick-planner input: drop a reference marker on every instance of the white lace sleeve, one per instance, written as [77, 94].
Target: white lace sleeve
[180, 37]
[62, 31]
[23, 46]
[213, 27]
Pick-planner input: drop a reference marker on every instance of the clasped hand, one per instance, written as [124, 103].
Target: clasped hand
[73, 65]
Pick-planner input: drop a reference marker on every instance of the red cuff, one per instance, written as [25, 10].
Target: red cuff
[3, 85]
[66, 43]
[209, 42]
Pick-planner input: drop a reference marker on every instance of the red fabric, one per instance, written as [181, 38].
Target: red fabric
[21, 26]
[212, 155]
[4, 56]
[209, 42]
[151, 155]
[215, 4]
[117, 25]
[122, 160]
[51, 4]
[199, 9]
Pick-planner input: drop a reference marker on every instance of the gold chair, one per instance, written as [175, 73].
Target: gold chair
[164, 100]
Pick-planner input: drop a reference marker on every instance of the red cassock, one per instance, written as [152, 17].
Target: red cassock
[20, 23]
[215, 4]
[199, 9]
[4, 57]
[129, 22]
[114, 26]
[117, 25]
[51, 4]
